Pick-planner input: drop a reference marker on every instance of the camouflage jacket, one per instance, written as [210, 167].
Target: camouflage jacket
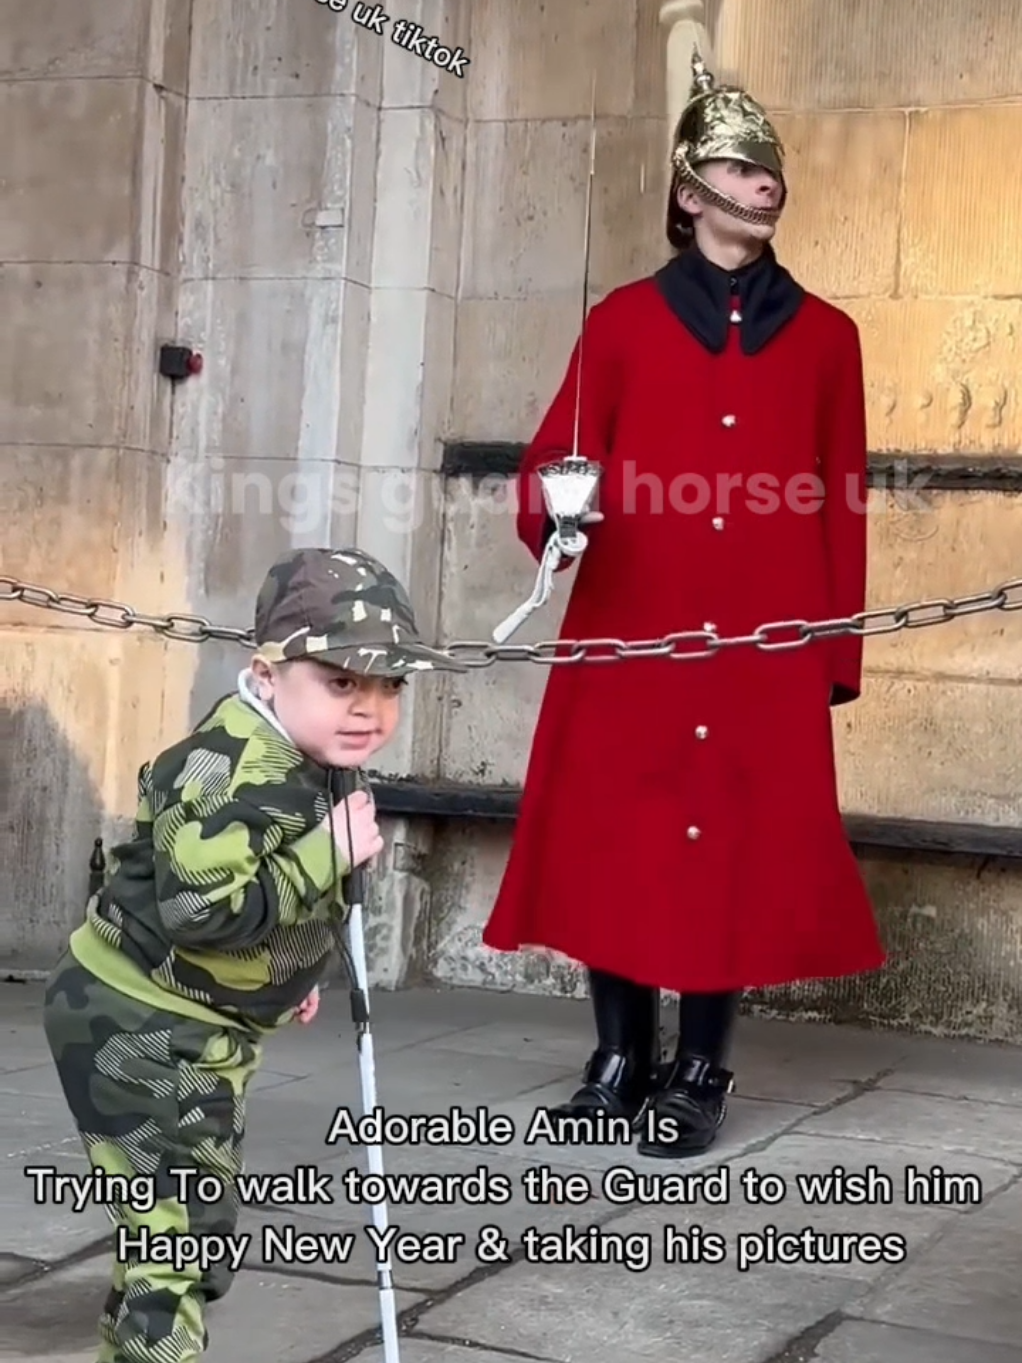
[228, 895]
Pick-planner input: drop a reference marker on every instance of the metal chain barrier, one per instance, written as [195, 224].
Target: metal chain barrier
[775, 636]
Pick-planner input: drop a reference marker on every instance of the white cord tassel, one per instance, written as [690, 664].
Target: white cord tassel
[556, 549]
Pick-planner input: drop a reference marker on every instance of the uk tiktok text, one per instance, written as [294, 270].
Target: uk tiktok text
[561, 1217]
[403, 33]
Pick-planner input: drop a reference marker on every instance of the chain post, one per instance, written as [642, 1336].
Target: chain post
[97, 868]
[682, 646]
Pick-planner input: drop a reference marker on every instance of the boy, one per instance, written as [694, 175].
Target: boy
[219, 916]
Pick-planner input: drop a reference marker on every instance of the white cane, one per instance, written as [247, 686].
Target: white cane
[358, 974]
[367, 1071]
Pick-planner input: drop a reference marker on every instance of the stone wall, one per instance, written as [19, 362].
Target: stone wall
[519, 313]
[323, 203]
[283, 194]
[374, 257]
[92, 103]
[898, 121]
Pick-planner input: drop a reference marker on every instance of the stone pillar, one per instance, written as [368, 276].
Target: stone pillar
[685, 21]
[279, 216]
[92, 102]
[409, 364]
[322, 223]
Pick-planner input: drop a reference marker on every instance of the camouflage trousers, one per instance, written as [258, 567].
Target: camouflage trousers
[151, 1093]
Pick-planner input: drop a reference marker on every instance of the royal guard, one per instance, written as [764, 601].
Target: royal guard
[679, 826]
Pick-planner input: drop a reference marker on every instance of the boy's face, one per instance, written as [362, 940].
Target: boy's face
[339, 719]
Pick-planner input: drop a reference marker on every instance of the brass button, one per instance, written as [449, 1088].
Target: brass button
[694, 833]
[729, 421]
[736, 316]
[718, 522]
[709, 627]
[702, 731]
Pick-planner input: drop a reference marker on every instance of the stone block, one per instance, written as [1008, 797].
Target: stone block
[70, 703]
[839, 233]
[143, 668]
[410, 82]
[60, 39]
[100, 509]
[284, 369]
[400, 515]
[490, 713]
[954, 953]
[958, 200]
[290, 49]
[942, 373]
[932, 747]
[540, 60]
[799, 54]
[409, 361]
[170, 44]
[931, 545]
[650, 96]
[234, 515]
[510, 358]
[951, 931]
[525, 194]
[421, 161]
[69, 167]
[157, 208]
[275, 188]
[81, 339]
[397, 919]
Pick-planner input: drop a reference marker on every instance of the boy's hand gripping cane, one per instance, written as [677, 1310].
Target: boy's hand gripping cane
[569, 484]
[354, 955]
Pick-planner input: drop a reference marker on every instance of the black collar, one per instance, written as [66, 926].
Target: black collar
[699, 294]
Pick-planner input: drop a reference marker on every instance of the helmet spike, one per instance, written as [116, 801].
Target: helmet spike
[702, 79]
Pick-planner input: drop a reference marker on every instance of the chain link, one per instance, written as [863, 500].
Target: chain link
[774, 637]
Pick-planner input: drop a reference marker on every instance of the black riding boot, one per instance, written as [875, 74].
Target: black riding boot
[684, 1116]
[619, 1076]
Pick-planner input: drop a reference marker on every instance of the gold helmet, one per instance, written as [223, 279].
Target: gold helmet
[720, 122]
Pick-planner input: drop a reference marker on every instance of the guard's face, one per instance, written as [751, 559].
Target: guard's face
[753, 186]
[338, 718]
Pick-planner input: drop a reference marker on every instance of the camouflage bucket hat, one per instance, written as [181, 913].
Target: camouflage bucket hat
[342, 607]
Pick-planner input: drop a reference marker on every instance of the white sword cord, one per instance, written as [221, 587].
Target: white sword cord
[556, 550]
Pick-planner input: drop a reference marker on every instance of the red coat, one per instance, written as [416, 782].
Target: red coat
[679, 822]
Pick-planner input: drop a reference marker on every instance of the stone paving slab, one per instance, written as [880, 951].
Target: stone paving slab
[945, 1069]
[810, 1099]
[861, 1342]
[603, 1313]
[514, 1216]
[967, 1283]
[946, 1127]
[750, 1229]
[266, 1318]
